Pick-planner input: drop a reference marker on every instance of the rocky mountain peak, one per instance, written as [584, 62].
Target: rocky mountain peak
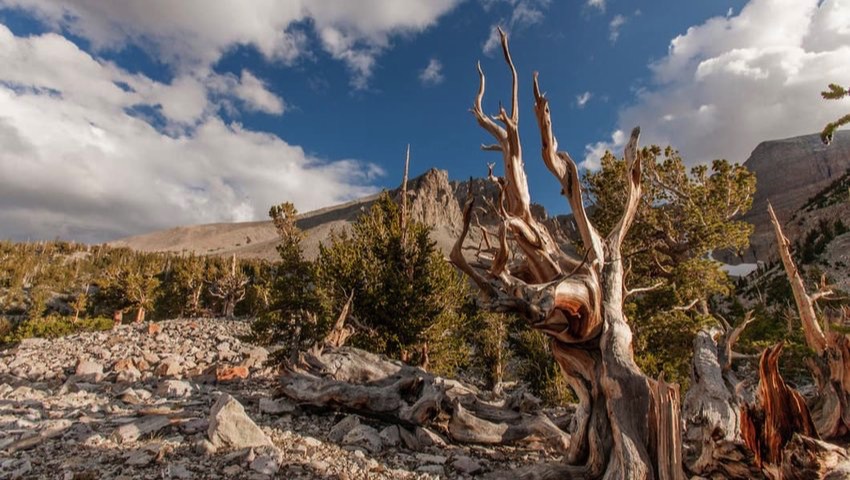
[788, 173]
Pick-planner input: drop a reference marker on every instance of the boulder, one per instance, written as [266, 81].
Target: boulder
[170, 367]
[267, 461]
[231, 427]
[255, 357]
[89, 371]
[390, 436]
[467, 465]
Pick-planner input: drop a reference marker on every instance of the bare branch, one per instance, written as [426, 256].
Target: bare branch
[732, 337]
[457, 257]
[815, 337]
[685, 308]
[565, 170]
[485, 121]
[635, 291]
[633, 177]
[515, 91]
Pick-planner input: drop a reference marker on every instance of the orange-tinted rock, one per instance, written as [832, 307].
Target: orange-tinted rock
[226, 374]
[154, 328]
[123, 365]
[142, 364]
[169, 367]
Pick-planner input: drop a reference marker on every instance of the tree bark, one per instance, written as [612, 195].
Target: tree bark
[778, 414]
[626, 424]
[714, 447]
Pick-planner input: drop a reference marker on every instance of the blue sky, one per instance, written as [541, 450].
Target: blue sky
[124, 117]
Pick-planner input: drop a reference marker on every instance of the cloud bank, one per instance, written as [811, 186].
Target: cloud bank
[737, 80]
[93, 152]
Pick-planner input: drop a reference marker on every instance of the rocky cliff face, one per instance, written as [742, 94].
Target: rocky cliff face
[432, 199]
[788, 173]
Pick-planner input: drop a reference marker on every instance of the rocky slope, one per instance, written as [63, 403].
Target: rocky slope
[789, 172]
[189, 399]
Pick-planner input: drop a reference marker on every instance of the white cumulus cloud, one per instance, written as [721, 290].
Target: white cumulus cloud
[523, 14]
[597, 4]
[614, 27]
[432, 74]
[256, 95]
[82, 157]
[737, 80]
[192, 34]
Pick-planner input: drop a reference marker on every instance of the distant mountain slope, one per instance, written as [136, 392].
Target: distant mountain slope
[789, 172]
[432, 199]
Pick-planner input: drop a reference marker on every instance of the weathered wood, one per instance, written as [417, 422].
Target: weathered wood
[624, 425]
[779, 413]
[371, 385]
[806, 458]
[340, 332]
[713, 444]
[831, 368]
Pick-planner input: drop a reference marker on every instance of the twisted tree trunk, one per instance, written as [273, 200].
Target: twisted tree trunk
[714, 447]
[627, 425]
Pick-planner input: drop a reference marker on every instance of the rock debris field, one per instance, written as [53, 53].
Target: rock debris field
[188, 399]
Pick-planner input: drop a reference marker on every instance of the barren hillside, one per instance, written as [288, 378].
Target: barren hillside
[433, 199]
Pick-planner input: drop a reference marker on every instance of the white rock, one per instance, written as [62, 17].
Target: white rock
[342, 428]
[231, 427]
[312, 442]
[131, 432]
[255, 357]
[129, 375]
[174, 388]
[89, 370]
[364, 436]
[267, 463]
[432, 469]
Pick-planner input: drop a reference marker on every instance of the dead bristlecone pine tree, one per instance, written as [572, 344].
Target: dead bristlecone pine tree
[230, 288]
[627, 426]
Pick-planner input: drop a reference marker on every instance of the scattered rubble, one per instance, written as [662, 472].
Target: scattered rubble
[190, 399]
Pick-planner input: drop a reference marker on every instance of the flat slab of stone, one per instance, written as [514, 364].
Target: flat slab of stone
[136, 429]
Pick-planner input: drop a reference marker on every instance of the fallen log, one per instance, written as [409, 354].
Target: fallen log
[374, 386]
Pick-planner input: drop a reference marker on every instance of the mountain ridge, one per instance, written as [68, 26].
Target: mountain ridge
[789, 172]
